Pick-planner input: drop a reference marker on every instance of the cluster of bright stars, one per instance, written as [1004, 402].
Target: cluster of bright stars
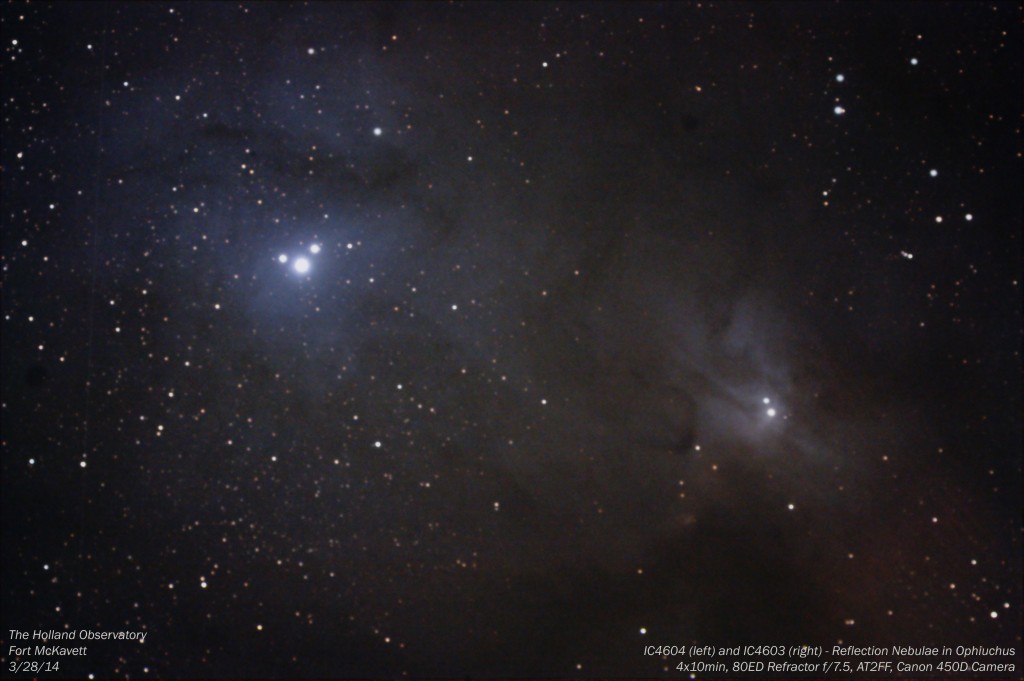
[301, 264]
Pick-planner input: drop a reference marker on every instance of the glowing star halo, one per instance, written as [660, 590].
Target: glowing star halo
[301, 265]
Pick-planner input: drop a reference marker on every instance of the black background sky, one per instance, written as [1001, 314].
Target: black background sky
[512, 419]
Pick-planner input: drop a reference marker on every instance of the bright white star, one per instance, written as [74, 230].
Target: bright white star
[314, 249]
[301, 265]
[282, 258]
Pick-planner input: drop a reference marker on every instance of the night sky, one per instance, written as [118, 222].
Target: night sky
[507, 339]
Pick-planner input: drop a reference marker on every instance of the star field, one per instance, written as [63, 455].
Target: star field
[480, 340]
